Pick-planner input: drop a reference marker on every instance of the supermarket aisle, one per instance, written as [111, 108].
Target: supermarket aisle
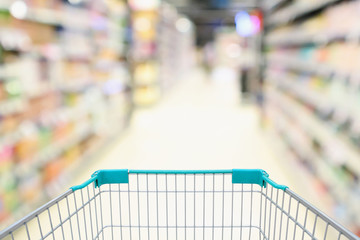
[199, 125]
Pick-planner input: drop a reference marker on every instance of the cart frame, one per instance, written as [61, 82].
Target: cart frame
[242, 177]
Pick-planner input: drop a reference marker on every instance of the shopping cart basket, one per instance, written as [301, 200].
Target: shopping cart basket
[139, 204]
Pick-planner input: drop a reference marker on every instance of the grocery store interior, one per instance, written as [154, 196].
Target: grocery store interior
[180, 84]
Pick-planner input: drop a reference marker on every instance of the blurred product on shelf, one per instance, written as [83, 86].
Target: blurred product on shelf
[312, 88]
[64, 93]
[162, 50]
[333, 24]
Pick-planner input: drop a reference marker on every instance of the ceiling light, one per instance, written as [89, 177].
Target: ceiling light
[183, 25]
[244, 24]
[19, 9]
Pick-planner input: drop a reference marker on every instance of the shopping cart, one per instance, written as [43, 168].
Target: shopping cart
[140, 204]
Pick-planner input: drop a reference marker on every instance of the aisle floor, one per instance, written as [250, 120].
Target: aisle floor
[200, 124]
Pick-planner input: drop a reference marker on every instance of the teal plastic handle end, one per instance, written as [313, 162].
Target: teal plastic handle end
[85, 184]
[274, 184]
[105, 177]
[254, 176]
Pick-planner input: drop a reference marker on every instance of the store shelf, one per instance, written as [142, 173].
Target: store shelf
[298, 38]
[11, 138]
[52, 17]
[321, 131]
[296, 11]
[320, 99]
[8, 107]
[337, 186]
[314, 87]
[292, 161]
[298, 65]
[63, 106]
[76, 86]
[44, 16]
[53, 188]
[54, 150]
[41, 90]
[311, 67]
[157, 52]
[274, 4]
[40, 15]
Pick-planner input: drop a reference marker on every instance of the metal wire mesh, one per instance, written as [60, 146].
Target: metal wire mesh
[177, 206]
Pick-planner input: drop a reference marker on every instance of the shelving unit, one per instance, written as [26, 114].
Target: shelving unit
[161, 52]
[65, 92]
[312, 91]
[297, 10]
[144, 54]
[175, 41]
[273, 5]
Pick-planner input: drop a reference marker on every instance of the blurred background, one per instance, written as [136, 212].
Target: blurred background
[180, 84]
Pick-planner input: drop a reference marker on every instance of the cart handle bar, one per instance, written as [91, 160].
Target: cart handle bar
[239, 176]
